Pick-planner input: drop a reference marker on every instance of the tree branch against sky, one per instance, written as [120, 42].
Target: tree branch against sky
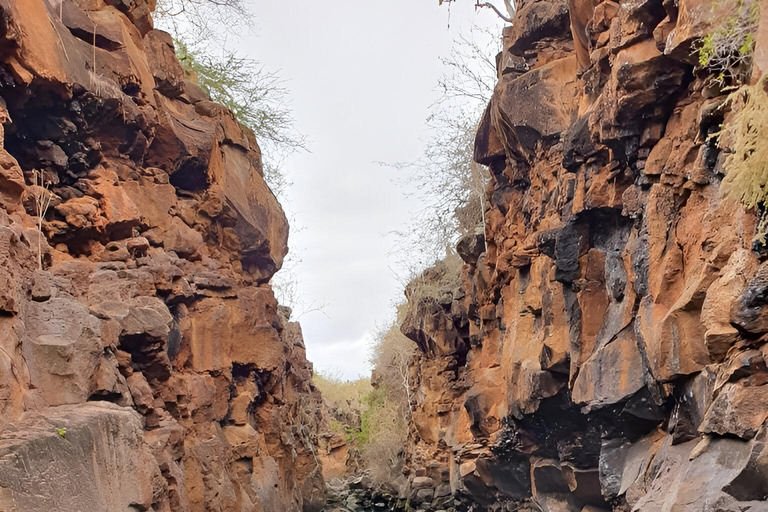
[445, 179]
[199, 21]
[509, 5]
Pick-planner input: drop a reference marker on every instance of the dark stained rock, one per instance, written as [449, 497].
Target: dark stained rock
[470, 247]
[610, 335]
[749, 312]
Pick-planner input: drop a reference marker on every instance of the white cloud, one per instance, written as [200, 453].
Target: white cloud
[361, 76]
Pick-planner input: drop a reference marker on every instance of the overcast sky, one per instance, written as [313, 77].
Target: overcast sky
[361, 76]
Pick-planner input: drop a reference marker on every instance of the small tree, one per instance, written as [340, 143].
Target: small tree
[391, 359]
[446, 180]
[746, 163]
[385, 421]
[43, 198]
[727, 52]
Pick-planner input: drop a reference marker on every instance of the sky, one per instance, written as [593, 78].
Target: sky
[361, 76]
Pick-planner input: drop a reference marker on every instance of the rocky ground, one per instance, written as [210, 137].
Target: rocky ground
[359, 494]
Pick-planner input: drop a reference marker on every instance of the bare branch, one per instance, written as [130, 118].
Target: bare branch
[508, 19]
[445, 179]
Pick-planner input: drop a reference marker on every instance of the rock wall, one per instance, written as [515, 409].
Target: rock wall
[606, 348]
[144, 361]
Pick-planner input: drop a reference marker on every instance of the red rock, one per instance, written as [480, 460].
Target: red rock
[160, 220]
[614, 313]
[109, 441]
[182, 239]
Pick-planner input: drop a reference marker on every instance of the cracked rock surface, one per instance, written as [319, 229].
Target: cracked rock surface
[605, 350]
[144, 361]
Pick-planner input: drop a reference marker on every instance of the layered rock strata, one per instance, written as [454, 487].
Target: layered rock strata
[144, 361]
[605, 348]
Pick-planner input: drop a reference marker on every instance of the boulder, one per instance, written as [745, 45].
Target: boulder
[76, 457]
[62, 347]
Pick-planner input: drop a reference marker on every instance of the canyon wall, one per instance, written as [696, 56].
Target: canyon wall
[605, 346]
[145, 364]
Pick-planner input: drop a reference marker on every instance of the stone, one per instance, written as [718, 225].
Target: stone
[182, 239]
[691, 407]
[261, 227]
[692, 483]
[537, 20]
[62, 347]
[215, 323]
[79, 446]
[422, 482]
[748, 311]
[694, 21]
[738, 410]
[609, 376]
[17, 263]
[470, 247]
[581, 12]
[604, 348]
[157, 206]
[528, 121]
[168, 73]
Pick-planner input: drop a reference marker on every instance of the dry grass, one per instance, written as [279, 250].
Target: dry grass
[746, 164]
[444, 277]
[344, 396]
[43, 197]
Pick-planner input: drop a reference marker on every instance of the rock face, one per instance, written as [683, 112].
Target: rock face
[606, 348]
[144, 361]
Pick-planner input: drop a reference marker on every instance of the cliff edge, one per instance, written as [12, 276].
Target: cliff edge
[144, 361]
[605, 348]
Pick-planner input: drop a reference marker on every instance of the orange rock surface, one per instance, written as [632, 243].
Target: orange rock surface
[144, 362]
[606, 348]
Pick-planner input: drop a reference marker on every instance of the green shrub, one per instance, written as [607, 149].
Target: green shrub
[727, 52]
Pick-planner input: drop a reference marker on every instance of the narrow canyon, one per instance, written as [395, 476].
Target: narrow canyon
[598, 343]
